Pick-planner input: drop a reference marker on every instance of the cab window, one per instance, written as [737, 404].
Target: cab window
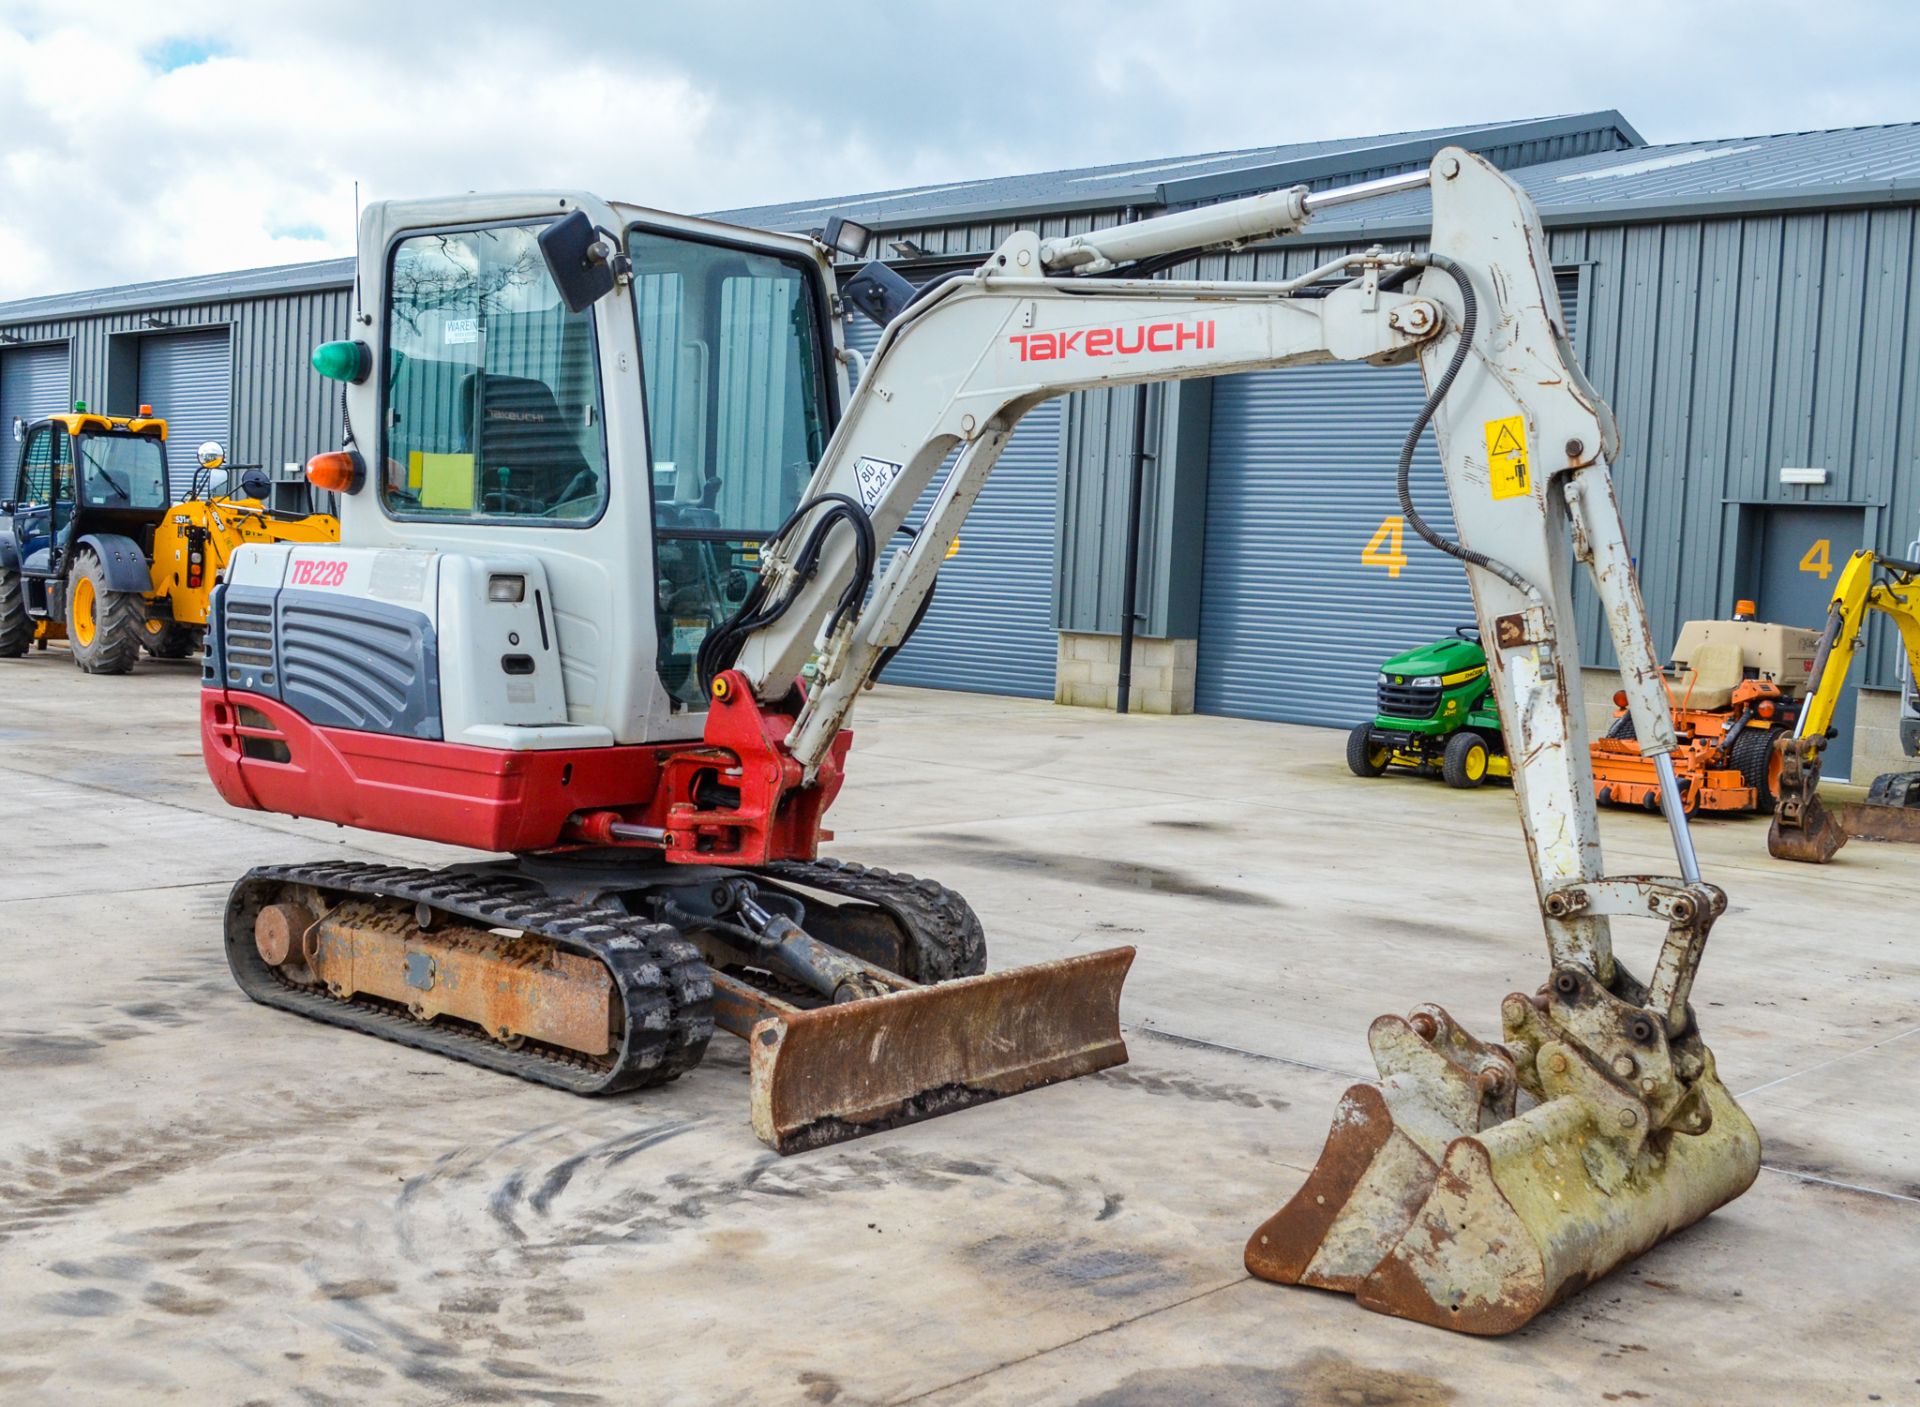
[123, 471]
[732, 355]
[47, 453]
[492, 405]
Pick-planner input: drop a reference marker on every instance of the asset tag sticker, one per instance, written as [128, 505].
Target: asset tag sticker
[460, 331]
[874, 477]
[1507, 457]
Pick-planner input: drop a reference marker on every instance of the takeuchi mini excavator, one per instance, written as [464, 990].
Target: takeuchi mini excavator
[609, 586]
[1804, 826]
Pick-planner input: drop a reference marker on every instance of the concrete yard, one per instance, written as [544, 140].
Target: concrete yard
[205, 1201]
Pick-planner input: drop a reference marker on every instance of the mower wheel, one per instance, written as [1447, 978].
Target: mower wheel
[16, 626]
[104, 626]
[1364, 759]
[1621, 727]
[1752, 756]
[1465, 762]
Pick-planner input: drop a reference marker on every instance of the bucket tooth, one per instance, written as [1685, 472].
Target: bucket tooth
[831, 1073]
[1508, 1213]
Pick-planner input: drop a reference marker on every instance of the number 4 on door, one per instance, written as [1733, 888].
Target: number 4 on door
[1819, 559]
[1383, 548]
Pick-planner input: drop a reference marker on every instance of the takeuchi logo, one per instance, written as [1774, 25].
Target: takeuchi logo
[1115, 341]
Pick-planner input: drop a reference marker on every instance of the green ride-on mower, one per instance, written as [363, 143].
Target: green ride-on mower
[1436, 713]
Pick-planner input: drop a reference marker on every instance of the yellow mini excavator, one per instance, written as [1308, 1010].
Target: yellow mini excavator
[612, 579]
[1804, 826]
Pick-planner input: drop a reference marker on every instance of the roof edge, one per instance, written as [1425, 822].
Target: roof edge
[1223, 184]
[181, 292]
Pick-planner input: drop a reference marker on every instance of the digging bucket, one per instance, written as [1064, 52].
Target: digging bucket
[1438, 1198]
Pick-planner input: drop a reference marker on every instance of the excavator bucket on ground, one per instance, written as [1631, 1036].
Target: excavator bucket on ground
[1477, 1184]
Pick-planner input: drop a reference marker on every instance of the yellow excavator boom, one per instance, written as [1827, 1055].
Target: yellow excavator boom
[1804, 827]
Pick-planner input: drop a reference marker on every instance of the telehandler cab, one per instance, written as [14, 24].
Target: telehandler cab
[543, 633]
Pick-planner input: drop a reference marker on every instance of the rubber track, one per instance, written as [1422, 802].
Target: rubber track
[666, 988]
[944, 934]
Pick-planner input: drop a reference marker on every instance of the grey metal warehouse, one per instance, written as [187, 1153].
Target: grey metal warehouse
[1748, 306]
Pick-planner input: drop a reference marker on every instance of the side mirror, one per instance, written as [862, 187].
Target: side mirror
[255, 484]
[212, 456]
[582, 262]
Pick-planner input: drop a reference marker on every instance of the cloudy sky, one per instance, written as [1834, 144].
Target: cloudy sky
[143, 140]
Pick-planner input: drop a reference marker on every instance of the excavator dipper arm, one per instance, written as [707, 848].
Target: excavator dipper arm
[1476, 1183]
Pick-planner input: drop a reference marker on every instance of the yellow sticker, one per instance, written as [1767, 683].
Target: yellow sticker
[953, 549]
[1507, 457]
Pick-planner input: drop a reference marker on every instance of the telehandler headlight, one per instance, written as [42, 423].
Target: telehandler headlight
[511, 589]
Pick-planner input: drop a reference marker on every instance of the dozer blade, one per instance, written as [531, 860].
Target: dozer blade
[1434, 1201]
[836, 1072]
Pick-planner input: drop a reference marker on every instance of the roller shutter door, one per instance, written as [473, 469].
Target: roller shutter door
[33, 384]
[1293, 622]
[990, 629]
[187, 378]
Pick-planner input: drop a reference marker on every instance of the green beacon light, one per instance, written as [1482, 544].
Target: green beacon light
[79, 407]
[343, 361]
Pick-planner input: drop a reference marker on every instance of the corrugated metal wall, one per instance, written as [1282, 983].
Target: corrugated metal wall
[282, 412]
[1732, 348]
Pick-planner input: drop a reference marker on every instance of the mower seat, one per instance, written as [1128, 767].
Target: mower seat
[1713, 673]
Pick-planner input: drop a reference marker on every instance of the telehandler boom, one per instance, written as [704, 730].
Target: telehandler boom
[646, 696]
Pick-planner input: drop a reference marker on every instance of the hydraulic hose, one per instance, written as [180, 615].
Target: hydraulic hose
[723, 643]
[1469, 320]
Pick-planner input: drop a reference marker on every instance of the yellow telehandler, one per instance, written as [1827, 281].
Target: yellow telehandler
[93, 551]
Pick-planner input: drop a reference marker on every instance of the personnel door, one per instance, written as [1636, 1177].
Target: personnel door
[1802, 550]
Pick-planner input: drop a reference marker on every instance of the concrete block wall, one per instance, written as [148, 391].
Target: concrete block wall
[1088, 671]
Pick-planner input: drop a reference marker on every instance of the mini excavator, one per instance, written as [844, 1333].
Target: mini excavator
[610, 582]
[1804, 826]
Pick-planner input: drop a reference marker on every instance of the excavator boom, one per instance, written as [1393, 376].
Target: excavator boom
[1805, 827]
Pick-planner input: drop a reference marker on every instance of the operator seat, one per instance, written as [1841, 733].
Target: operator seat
[1714, 672]
[522, 430]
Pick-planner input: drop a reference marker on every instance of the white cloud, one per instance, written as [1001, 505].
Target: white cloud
[115, 167]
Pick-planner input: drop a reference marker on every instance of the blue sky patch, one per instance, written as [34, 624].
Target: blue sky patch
[170, 54]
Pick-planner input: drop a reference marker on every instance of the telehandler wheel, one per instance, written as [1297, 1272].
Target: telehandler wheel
[1752, 756]
[1465, 762]
[104, 626]
[16, 626]
[1363, 758]
[172, 641]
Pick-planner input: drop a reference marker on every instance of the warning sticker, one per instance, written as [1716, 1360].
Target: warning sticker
[874, 476]
[1507, 457]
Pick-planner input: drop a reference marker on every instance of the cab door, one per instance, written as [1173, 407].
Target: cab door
[42, 494]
